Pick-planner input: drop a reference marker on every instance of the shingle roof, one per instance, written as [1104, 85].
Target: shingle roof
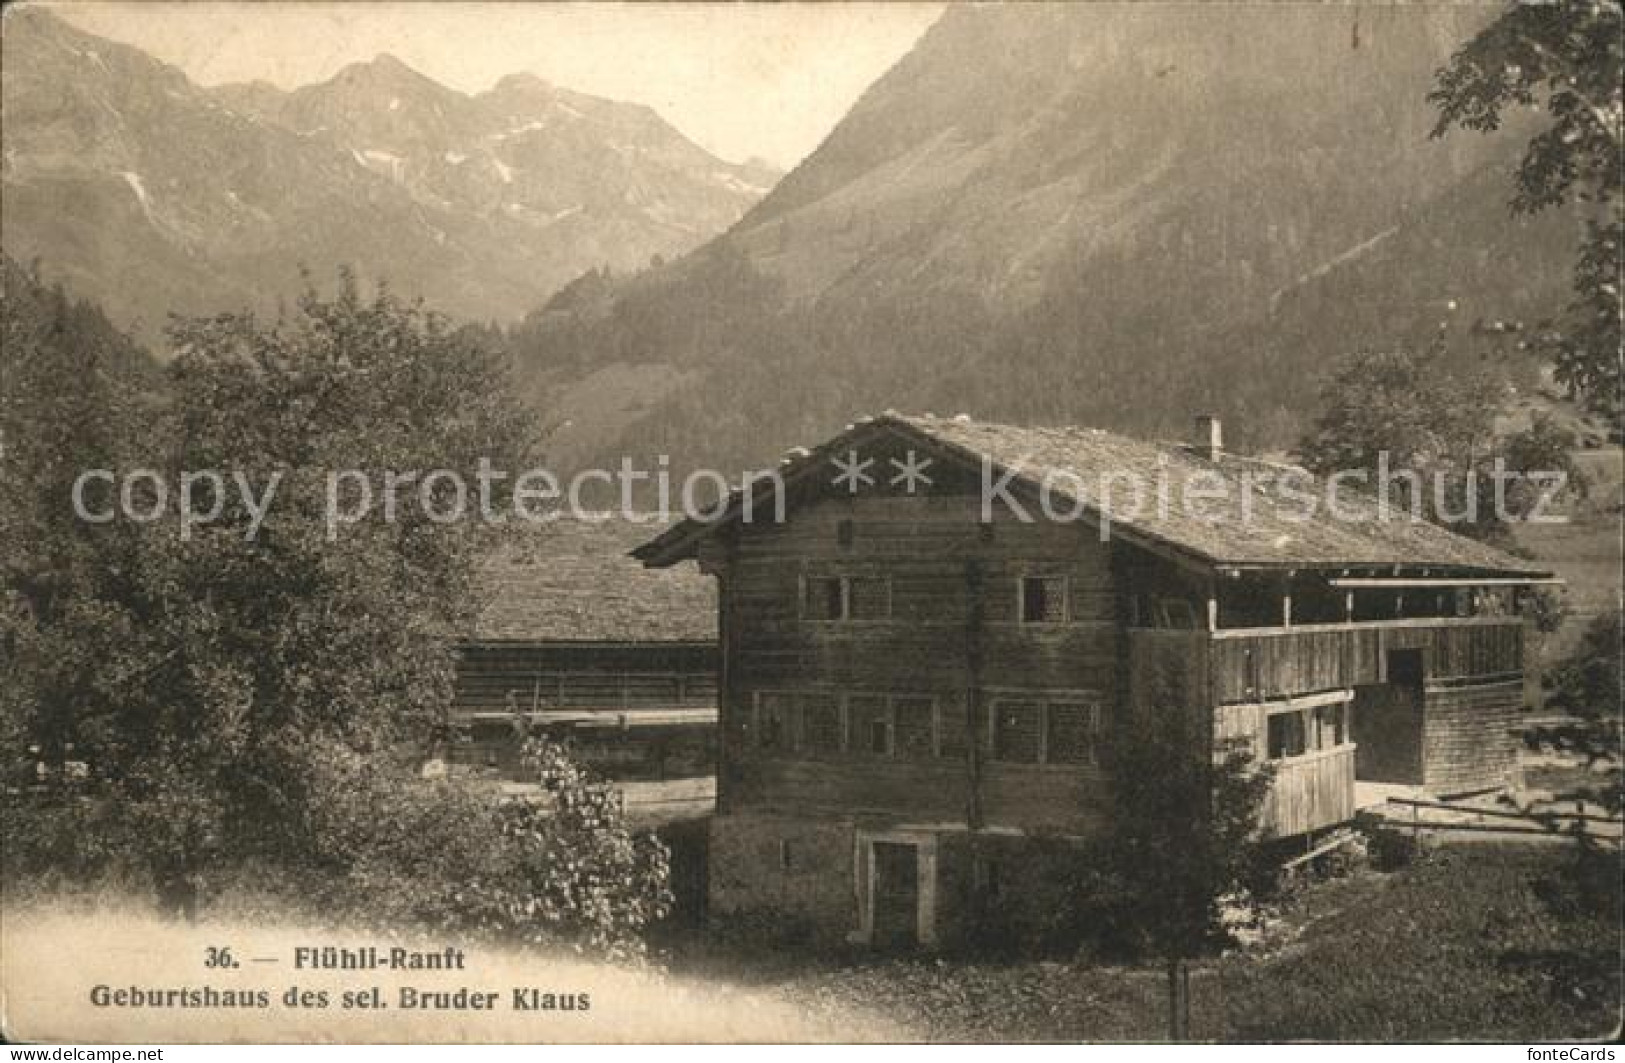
[574, 580]
[1255, 523]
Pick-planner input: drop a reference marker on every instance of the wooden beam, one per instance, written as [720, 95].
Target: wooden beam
[601, 717]
[1305, 701]
[1502, 813]
[1403, 583]
[1373, 625]
[1496, 828]
[1337, 841]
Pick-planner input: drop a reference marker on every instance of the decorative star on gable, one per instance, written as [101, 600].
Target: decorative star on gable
[853, 471]
[911, 472]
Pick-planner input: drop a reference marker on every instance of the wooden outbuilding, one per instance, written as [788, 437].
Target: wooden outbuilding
[577, 639]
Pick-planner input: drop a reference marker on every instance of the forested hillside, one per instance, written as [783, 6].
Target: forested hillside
[1129, 213]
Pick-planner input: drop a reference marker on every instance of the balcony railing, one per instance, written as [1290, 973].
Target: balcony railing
[1257, 664]
[1238, 674]
[1310, 792]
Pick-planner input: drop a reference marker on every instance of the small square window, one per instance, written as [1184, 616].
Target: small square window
[847, 598]
[1043, 599]
[1331, 725]
[1286, 735]
[868, 598]
[1071, 733]
[870, 724]
[821, 723]
[915, 738]
[1015, 732]
[826, 598]
[1175, 613]
[953, 732]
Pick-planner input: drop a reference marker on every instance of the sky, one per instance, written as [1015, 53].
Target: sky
[741, 80]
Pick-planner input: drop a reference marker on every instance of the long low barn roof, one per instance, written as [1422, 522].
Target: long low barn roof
[1255, 523]
[574, 580]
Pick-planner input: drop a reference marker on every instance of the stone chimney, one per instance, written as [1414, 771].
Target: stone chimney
[1209, 439]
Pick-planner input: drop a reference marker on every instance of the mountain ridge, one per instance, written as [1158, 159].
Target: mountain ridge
[1131, 214]
[150, 193]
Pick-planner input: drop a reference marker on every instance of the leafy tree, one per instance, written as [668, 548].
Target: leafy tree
[245, 696]
[75, 391]
[1589, 684]
[1186, 837]
[1588, 687]
[211, 671]
[1434, 432]
[1568, 59]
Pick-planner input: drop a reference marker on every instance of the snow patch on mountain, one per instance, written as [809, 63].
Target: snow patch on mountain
[519, 130]
[139, 187]
[735, 184]
[385, 163]
[374, 167]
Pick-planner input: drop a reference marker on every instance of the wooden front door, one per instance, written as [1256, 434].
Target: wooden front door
[1387, 723]
[896, 895]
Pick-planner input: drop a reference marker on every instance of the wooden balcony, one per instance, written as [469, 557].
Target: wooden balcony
[1257, 664]
[1241, 676]
[1310, 792]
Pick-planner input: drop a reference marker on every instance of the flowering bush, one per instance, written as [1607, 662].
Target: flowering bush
[576, 874]
[556, 867]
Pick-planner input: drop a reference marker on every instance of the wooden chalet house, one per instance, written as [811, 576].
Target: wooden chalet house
[577, 639]
[915, 690]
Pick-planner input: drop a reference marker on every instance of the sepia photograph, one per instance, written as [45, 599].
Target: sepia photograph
[811, 523]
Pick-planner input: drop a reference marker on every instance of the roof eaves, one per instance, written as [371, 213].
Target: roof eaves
[669, 547]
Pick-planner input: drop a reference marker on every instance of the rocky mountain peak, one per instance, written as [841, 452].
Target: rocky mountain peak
[156, 195]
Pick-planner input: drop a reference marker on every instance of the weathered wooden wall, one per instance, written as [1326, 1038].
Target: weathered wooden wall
[953, 633]
[1289, 662]
[1462, 722]
[1283, 662]
[1242, 724]
[798, 871]
[879, 788]
[1467, 739]
[1311, 792]
[633, 711]
[1456, 649]
[560, 675]
[954, 628]
[1169, 667]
